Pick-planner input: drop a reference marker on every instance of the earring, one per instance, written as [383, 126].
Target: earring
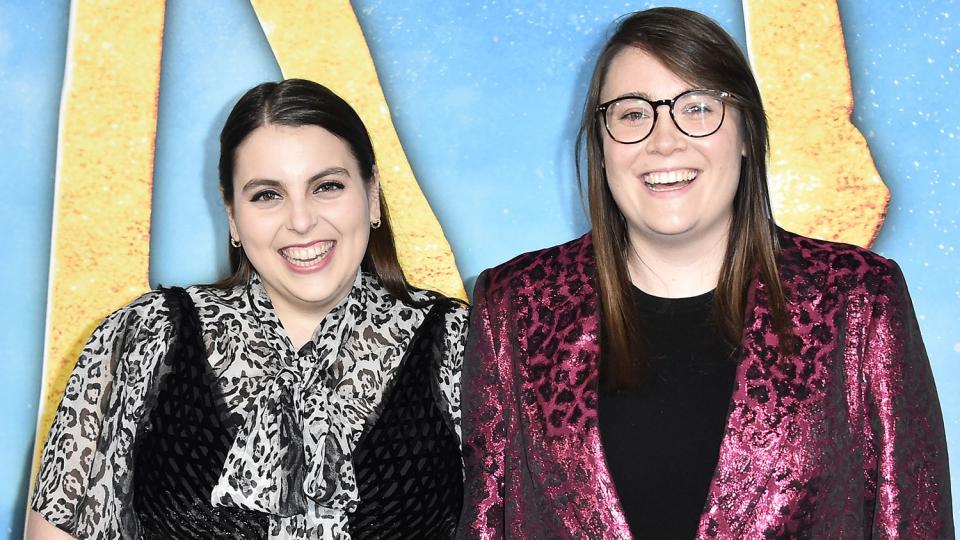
[375, 224]
[234, 242]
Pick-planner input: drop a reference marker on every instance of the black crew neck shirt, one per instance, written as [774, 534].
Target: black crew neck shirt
[662, 440]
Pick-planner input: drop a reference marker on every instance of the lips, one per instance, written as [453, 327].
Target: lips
[309, 255]
[669, 180]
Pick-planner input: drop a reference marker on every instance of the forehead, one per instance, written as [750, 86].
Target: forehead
[634, 71]
[277, 150]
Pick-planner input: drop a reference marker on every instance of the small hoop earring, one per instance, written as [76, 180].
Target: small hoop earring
[234, 242]
[375, 224]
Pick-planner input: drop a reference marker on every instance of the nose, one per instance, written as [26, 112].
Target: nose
[665, 138]
[301, 217]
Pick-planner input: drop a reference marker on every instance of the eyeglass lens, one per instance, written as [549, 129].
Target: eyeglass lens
[696, 114]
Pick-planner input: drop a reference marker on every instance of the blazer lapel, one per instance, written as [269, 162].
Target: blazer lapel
[558, 391]
[753, 439]
[770, 391]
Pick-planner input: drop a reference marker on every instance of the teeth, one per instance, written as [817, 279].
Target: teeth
[305, 256]
[669, 177]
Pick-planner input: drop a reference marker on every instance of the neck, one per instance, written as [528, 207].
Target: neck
[298, 317]
[676, 266]
[299, 324]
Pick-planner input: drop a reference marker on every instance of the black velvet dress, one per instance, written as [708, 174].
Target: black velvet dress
[407, 462]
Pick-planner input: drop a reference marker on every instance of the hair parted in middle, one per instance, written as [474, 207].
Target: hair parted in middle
[699, 51]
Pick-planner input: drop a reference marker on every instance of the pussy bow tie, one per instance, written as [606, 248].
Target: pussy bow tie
[295, 444]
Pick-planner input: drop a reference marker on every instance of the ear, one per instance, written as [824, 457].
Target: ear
[228, 208]
[373, 195]
[234, 233]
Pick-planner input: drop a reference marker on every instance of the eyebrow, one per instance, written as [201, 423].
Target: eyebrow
[629, 95]
[257, 183]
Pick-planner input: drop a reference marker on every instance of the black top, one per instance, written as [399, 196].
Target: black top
[408, 465]
[662, 440]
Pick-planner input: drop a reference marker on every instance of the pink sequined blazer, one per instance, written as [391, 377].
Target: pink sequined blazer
[842, 439]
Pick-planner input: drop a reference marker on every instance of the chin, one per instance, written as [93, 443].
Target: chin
[669, 231]
[319, 294]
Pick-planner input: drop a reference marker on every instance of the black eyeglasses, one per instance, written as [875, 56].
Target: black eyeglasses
[696, 113]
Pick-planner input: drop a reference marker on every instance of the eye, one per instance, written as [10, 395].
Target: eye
[328, 186]
[634, 116]
[265, 195]
[699, 105]
[697, 108]
[631, 112]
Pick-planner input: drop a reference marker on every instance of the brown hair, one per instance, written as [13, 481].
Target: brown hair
[297, 102]
[698, 50]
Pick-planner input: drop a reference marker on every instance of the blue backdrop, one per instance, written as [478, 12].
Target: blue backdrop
[485, 97]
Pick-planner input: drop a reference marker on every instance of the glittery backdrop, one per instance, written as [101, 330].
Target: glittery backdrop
[484, 96]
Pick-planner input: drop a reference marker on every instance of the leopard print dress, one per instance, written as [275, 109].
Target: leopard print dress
[329, 391]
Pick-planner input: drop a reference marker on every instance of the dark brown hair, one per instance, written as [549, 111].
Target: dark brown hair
[699, 51]
[297, 102]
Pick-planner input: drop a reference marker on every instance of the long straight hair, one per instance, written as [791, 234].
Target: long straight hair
[699, 51]
[293, 103]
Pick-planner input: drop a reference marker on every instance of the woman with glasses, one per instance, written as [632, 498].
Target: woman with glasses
[313, 393]
[687, 369]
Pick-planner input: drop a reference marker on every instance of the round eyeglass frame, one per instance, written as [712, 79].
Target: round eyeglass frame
[601, 112]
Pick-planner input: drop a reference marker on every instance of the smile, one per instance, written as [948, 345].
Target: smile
[669, 180]
[306, 256]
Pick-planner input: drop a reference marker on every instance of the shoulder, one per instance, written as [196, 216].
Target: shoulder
[221, 308]
[568, 264]
[810, 262]
[151, 305]
[156, 316]
[145, 316]
[141, 330]
[830, 254]
[451, 313]
[217, 298]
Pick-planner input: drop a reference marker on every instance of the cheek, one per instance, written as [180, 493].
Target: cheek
[738, 133]
[732, 158]
[611, 152]
[256, 228]
[617, 160]
[353, 217]
[725, 149]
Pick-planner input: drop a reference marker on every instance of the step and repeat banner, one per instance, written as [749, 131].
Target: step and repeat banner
[110, 113]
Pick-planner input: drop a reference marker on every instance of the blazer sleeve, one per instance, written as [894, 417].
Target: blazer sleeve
[84, 466]
[487, 419]
[905, 422]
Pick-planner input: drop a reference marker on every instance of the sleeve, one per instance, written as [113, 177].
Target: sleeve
[905, 422]
[451, 365]
[487, 420]
[83, 467]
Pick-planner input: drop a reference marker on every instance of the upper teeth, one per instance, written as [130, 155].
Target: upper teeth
[308, 253]
[669, 177]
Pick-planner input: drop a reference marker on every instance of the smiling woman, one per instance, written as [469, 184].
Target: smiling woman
[312, 393]
[688, 369]
[302, 210]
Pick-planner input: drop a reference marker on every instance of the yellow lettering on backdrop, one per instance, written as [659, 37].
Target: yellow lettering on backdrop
[823, 181]
[101, 232]
[322, 41]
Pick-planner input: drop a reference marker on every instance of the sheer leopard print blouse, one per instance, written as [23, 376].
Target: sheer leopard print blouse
[298, 415]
